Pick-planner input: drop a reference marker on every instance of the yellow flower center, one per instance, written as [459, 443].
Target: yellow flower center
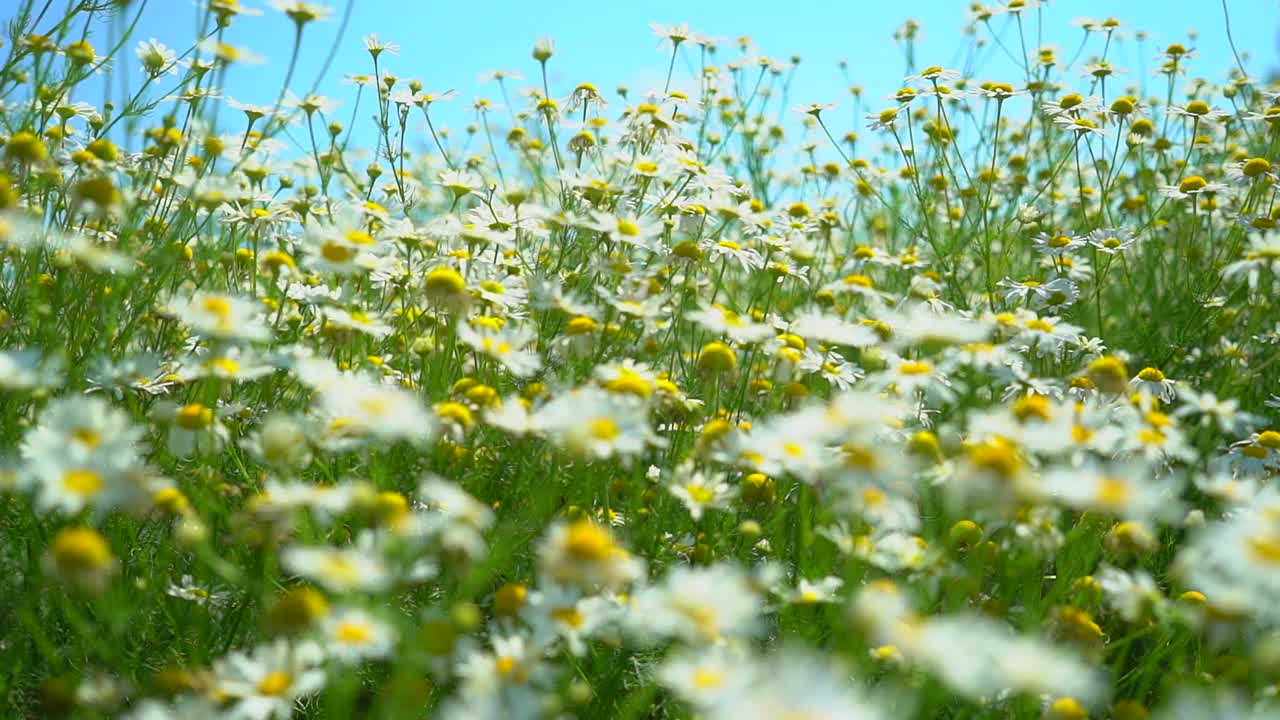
[630, 383]
[79, 550]
[604, 428]
[217, 305]
[1080, 433]
[1255, 167]
[1040, 325]
[699, 494]
[340, 568]
[456, 413]
[1032, 406]
[1112, 493]
[83, 482]
[194, 417]
[588, 541]
[226, 365]
[567, 615]
[353, 633]
[997, 457]
[336, 252]
[1195, 183]
[1150, 375]
[1257, 452]
[87, 437]
[707, 679]
[915, 367]
[507, 667]
[1151, 437]
[1264, 548]
[275, 684]
[445, 281]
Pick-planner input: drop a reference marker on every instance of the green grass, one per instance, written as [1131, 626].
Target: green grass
[576, 380]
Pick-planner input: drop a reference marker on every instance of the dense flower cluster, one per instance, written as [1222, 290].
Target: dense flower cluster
[633, 406]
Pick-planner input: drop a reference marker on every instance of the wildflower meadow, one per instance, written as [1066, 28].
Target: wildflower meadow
[586, 401]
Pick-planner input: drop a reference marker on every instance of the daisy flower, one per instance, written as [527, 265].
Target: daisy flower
[597, 424]
[339, 570]
[703, 606]
[1154, 383]
[221, 316]
[266, 682]
[586, 555]
[352, 635]
[1197, 110]
[699, 490]
[1190, 187]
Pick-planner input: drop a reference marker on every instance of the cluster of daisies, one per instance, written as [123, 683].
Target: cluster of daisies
[681, 403]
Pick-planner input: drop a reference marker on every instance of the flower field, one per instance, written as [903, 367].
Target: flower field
[636, 403]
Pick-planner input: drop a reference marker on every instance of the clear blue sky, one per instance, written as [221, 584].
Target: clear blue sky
[449, 44]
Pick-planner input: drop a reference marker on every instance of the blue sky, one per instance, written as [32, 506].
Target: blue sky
[449, 44]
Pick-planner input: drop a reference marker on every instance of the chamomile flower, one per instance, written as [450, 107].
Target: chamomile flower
[1131, 491]
[1153, 382]
[352, 635]
[22, 370]
[1233, 559]
[1224, 413]
[513, 662]
[703, 606]
[816, 325]
[705, 678]
[220, 316]
[586, 555]
[1002, 660]
[1112, 241]
[507, 346]
[735, 251]
[699, 490]
[354, 409]
[907, 378]
[728, 323]
[232, 364]
[809, 592]
[1134, 595]
[340, 570]
[188, 589]
[1057, 243]
[597, 424]
[355, 320]
[266, 682]
[156, 58]
[1072, 104]
[1081, 126]
[1198, 110]
[73, 482]
[1191, 186]
[794, 684]
[554, 612]
[635, 231]
[1257, 454]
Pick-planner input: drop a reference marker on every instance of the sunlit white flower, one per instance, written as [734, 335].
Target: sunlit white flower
[264, 684]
